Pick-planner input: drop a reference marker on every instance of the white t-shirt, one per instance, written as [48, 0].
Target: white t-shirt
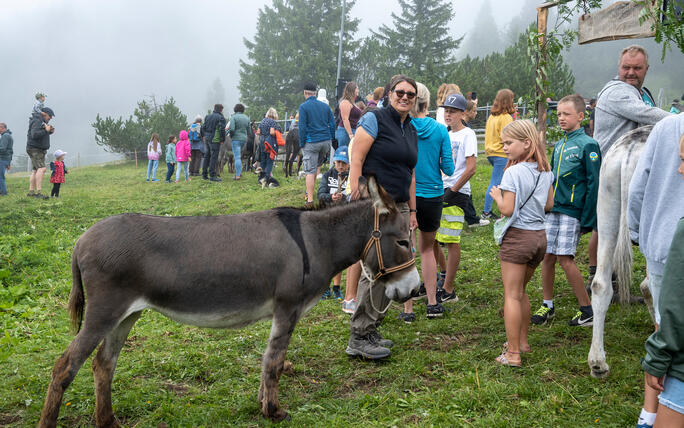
[521, 179]
[463, 145]
[439, 116]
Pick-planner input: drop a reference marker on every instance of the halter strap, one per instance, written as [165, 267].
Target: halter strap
[375, 239]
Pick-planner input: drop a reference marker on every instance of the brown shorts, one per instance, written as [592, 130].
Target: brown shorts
[523, 247]
[37, 157]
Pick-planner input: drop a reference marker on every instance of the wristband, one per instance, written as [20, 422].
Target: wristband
[411, 210]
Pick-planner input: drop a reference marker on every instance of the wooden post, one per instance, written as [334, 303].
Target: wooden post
[136, 157]
[542, 17]
[78, 160]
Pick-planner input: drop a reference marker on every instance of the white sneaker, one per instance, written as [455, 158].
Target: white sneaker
[483, 222]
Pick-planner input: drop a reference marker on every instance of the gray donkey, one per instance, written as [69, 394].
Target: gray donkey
[126, 264]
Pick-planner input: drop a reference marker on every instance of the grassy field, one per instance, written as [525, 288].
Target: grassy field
[441, 372]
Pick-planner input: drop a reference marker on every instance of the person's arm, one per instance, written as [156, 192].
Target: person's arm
[632, 107]
[592, 169]
[362, 144]
[446, 160]
[548, 206]
[37, 131]
[505, 201]
[345, 109]
[471, 162]
[332, 126]
[413, 221]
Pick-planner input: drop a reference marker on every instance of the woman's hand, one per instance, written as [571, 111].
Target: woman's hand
[272, 131]
[413, 221]
[654, 382]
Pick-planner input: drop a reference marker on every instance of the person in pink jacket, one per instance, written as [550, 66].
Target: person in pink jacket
[183, 155]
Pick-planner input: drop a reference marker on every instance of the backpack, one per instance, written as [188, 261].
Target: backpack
[194, 134]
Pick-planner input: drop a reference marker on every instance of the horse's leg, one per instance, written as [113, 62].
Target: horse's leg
[67, 366]
[272, 365]
[104, 364]
[648, 298]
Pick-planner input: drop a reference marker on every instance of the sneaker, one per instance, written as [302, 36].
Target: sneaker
[337, 295]
[435, 311]
[581, 320]
[40, 196]
[444, 297]
[215, 179]
[366, 347]
[349, 306]
[482, 222]
[380, 340]
[542, 315]
[155, 179]
[326, 295]
[422, 293]
[407, 318]
[31, 194]
[487, 216]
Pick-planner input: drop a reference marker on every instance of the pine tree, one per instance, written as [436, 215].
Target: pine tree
[296, 41]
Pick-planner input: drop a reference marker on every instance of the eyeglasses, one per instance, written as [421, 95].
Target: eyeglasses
[400, 93]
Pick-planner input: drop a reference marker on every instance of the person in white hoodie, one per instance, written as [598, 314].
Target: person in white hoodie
[656, 202]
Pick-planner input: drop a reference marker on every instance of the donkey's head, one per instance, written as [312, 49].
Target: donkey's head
[388, 257]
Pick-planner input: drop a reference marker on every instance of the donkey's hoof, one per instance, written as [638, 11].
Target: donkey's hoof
[279, 416]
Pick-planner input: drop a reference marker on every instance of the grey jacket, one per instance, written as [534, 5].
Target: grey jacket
[656, 193]
[6, 143]
[620, 109]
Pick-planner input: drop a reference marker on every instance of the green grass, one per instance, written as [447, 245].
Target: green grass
[441, 372]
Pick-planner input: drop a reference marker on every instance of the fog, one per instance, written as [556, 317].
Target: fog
[93, 57]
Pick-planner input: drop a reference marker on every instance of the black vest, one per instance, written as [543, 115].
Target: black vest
[394, 153]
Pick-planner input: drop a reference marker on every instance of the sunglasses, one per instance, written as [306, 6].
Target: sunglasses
[400, 93]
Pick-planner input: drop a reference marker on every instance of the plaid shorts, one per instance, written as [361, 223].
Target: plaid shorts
[562, 234]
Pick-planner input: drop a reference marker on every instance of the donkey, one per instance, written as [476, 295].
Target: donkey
[292, 152]
[225, 157]
[124, 262]
[614, 244]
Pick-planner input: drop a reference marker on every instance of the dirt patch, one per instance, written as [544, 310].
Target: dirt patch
[134, 341]
[6, 419]
[178, 389]
[446, 342]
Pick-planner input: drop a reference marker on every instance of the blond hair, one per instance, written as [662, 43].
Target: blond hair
[422, 99]
[524, 130]
[446, 89]
[633, 50]
[272, 113]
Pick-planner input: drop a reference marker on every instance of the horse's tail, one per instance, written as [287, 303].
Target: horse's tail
[76, 298]
[622, 260]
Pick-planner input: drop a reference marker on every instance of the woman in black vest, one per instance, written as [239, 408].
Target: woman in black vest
[385, 145]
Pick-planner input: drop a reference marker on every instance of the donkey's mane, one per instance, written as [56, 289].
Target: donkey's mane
[318, 206]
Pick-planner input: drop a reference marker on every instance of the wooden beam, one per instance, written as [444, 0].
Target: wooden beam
[542, 18]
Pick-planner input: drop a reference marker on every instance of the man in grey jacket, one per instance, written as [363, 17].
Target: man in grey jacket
[6, 143]
[624, 104]
[37, 145]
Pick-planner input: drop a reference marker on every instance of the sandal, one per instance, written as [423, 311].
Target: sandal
[501, 359]
[505, 349]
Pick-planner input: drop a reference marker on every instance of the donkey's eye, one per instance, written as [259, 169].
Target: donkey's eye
[403, 243]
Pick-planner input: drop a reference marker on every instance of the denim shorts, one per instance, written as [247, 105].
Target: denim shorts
[673, 396]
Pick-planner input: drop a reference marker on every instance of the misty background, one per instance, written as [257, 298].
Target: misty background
[93, 57]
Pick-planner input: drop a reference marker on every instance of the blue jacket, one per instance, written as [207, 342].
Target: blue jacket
[6, 143]
[434, 155]
[316, 122]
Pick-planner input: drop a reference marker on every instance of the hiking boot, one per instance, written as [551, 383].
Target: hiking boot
[215, 179]
[422, 293]
[435, 311]
[482, 222]
[443, 296]
[380, 340]
[543, 314]
[581, 320]
[349, 306]
[407, 318]
[366, 347]
[326, 295]
[337, 295]
[204, 177]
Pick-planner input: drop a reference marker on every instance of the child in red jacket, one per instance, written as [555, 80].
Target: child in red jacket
[58, 171]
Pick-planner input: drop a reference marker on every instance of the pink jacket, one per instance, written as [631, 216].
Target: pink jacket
[183, 147]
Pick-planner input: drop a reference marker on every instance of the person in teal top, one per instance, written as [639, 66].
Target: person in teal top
[170, 157]
[239, 127]
[434, 157]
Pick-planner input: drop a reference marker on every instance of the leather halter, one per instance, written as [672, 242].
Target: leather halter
[375, 239]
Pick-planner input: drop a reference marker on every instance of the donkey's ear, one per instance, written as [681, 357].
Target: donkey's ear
[363, 188]
[380, 198]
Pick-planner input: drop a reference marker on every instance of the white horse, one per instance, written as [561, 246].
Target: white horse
[614, 244]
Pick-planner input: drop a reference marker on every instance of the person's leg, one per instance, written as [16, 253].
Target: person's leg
[178, 170]
[337, 279]
[469, 212]
[453, 263]
[3, 168]
[149, 169]
[59, 186]
[169, 171]
[353, 276]
[155, 166]
[593, 248]
[548, 275]
[526, 311]
[39, 179]
[53, 192]
[32, 182]
[439, 257]
[513, 277]
[206, 158]
[213, 161]
[428, 265]
[668, 418]
[498, 165]
[186, 168]
[237, 153]
[575, 279]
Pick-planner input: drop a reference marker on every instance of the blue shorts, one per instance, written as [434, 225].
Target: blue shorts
[673, 396]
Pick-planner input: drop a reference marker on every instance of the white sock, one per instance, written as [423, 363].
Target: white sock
[647, 418]
[549, 303]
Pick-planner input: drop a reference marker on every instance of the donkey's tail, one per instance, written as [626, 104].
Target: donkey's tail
[76, 298]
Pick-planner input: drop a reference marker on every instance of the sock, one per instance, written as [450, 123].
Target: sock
[592, 270]
[336, 288]
[586, 310]
[647, 418]
[549, 303]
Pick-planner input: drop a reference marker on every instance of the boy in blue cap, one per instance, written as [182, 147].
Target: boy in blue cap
[331, 191]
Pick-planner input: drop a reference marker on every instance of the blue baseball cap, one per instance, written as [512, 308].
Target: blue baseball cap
[456, 101]
[341, 154]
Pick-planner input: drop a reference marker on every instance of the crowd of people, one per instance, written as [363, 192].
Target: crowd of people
[425, 165]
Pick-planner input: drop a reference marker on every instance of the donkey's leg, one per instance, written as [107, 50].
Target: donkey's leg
[284, 321]
[103, 370]
[66, 368]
